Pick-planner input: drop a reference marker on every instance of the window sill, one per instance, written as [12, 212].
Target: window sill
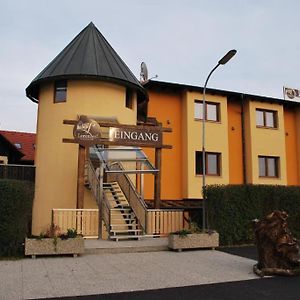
[265, 127]
[206, 175]
[208, 121]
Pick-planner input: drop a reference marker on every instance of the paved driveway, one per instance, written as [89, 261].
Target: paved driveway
[112, 273]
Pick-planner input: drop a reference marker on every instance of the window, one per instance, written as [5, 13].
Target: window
[60, 94]
[129, 98]
[18, 145]
[212, 111]
[266, 118]
[268, 166]
[212, 162]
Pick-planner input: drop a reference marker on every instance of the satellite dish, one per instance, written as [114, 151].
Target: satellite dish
[144, 73]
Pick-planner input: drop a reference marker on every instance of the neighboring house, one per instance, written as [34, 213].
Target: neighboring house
[17, 147]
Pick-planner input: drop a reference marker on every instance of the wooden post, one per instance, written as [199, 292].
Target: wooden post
[80, 177]
[157, 178]
[100, 203]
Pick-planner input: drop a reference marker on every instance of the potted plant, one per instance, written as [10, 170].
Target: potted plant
[53, 242]
[193, 238]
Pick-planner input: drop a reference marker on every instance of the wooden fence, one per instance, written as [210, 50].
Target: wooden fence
[164, 221]
[85, 221]
[18, 172]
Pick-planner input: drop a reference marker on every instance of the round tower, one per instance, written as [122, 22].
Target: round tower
[86, 78]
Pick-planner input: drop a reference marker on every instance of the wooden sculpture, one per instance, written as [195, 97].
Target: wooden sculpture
[278, 251]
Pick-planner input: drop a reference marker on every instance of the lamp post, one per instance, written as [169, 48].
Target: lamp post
[222, 61]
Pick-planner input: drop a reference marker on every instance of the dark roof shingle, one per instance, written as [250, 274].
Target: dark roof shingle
[88, 55]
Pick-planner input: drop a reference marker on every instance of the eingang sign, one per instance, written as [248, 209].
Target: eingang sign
[135, 136]
[87, 132]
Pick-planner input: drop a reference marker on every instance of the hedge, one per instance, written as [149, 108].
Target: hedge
[15, 215]
[230, 209]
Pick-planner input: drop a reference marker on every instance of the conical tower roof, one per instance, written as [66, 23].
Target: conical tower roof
[88, 56]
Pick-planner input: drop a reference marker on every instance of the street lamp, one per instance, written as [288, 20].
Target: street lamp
[222, 61]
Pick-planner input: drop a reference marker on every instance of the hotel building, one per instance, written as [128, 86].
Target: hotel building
[249, 139]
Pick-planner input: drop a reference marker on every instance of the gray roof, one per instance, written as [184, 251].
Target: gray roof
[88, 56]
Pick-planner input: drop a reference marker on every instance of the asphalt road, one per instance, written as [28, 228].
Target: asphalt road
[275, 288]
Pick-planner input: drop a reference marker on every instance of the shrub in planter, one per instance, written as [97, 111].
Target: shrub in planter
[55, 243]
[193, 238]
[15, 215]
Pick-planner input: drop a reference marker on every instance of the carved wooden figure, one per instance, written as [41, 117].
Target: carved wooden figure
[278, 251]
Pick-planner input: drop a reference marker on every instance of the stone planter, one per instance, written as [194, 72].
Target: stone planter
[50, 246]
[193, 241]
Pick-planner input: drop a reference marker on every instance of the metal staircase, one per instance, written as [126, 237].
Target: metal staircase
[110, 175]
[123, 223]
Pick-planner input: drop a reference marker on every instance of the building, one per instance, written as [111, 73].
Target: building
[86, 78]
[17, 147]
[250, 139]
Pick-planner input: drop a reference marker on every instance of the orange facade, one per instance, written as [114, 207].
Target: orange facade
[173, 106]
[167, 109]
[291, 146]
[235, 142]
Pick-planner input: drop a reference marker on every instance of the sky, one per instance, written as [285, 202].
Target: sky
[180, 41]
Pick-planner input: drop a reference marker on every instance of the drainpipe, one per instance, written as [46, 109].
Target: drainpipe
[243, 140]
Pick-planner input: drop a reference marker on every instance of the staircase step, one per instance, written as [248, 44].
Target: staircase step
[123, 208]
[125, 237]
[115, 212]
[122, 218]
[125, 231]
[112, 190]
[119, 200]
[123, 225]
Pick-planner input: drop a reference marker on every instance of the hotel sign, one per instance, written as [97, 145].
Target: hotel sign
[86, 131]
[135, 136]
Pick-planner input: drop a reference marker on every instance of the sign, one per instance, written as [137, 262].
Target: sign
[135, 136]
[86, 131]
[290, 93]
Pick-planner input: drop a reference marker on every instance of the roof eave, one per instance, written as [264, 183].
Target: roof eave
[182, 87]
[33, 88]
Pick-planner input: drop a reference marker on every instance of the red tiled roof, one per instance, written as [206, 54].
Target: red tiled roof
[25, 139]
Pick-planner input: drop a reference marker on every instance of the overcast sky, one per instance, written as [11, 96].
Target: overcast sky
[181, 41]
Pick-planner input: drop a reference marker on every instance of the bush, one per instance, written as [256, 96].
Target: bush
[230, 209]
[15, 215]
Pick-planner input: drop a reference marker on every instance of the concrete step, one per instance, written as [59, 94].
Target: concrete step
[133, 244]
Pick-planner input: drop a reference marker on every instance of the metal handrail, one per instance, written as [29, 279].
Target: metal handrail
[141, 217]
[95, 187]
[133, 188]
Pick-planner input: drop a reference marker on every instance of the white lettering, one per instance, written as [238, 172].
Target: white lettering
[126, 135]
[148, 136]
[155, 137]
[121, 134]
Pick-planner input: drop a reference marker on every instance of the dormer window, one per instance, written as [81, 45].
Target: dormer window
[60, 91]
[18, 145]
